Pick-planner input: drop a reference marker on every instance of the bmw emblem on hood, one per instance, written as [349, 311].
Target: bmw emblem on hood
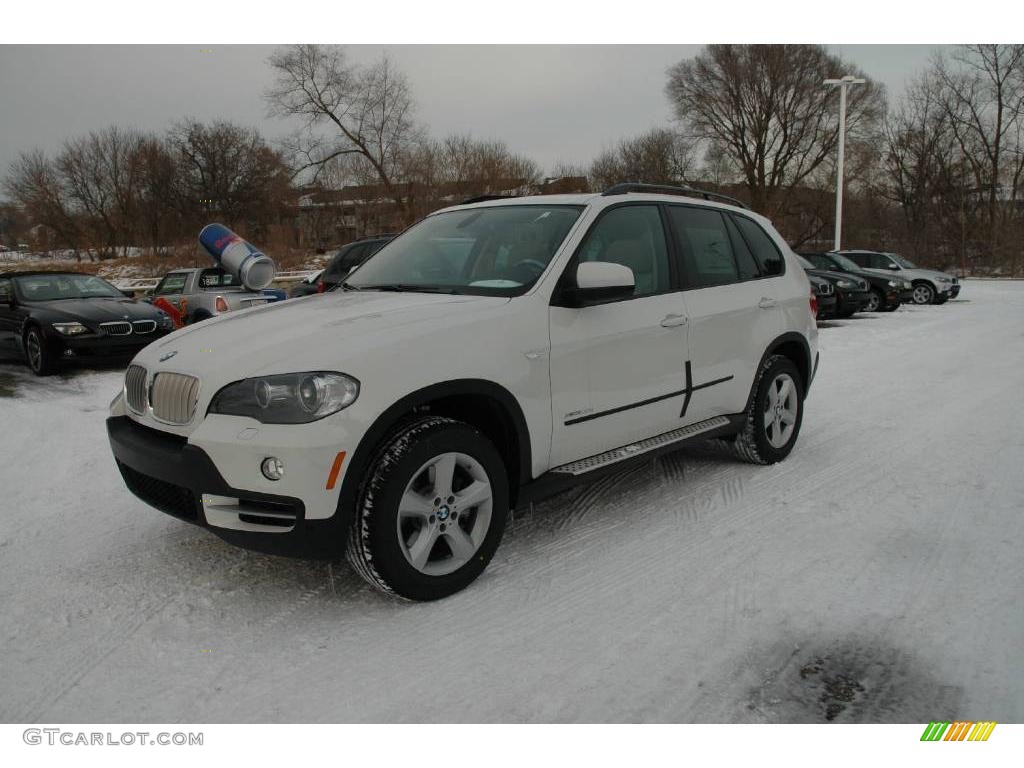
[168, 355]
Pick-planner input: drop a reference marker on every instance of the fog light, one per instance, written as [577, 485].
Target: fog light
[272, 468]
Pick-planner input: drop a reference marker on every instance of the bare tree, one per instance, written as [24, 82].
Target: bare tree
[659, 156]
[100, 174]
[34, 184]
[983, 97]
[366, 111]
[764, 107]
[230, 172]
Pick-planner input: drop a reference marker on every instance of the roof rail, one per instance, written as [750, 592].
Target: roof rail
[668, 189]
[485, 198]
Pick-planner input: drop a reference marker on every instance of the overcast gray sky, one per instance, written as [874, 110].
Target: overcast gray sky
[548, 102]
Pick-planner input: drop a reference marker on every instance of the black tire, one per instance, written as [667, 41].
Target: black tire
[846, 314]
[375, 550]
[877, 301]
[41, 360]
[891, 307]
[752, 443]
[923, 294]
[940, 299]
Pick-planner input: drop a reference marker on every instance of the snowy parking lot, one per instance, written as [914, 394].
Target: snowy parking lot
[874, 576]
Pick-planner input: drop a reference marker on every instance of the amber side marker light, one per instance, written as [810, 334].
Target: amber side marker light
[335, 470]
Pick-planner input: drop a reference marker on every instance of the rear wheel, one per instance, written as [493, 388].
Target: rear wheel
[774, 415]
[40, 359]
[923, 293]
[433, 511]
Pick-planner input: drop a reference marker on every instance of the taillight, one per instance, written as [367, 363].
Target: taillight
[814, 306]
[320, 288]
[222, 306]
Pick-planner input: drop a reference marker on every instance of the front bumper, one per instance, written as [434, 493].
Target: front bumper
[101, 346]
[826, 307]
[851, 301]
[954, 290]
[181, 479]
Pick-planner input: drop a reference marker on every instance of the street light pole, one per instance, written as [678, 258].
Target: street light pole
[843, 83]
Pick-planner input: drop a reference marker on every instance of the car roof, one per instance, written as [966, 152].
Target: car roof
[592, 198]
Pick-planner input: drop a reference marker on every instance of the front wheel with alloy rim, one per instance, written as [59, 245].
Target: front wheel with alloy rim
[923, 293]
[432, 512]
[774, 414]
[875, 301]
[40, 359]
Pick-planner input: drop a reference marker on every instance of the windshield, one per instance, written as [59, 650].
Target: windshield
[848, 264]
[53, 287]
[905, 263]
[496, 251]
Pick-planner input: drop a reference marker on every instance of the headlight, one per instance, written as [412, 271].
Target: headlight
[843, 284]
[892, 283]
[70, 329]
[944, 280]
[288, 398]
[907, 285]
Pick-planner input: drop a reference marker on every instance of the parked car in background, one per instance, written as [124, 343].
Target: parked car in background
[192, 295]
[929, 285]
[52, 318]
[852, 293]
[888, 292]
[342, 262]
[825, 294]
[554, 338]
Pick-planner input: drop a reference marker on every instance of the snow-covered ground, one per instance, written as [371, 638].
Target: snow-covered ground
[876, 575]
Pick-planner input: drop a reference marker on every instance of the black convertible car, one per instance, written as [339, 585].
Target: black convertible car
[55, 317]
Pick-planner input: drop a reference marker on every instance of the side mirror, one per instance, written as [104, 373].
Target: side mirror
[600, 281]
[894, 266]
[128, 294]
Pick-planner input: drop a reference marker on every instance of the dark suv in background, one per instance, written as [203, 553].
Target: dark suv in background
[852, 293]
[887, 292]
[341, 263]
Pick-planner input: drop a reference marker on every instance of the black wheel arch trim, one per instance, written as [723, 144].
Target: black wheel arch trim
[807, 369]
[398, 412]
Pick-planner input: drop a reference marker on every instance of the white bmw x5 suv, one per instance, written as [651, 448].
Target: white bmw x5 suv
[496, 352]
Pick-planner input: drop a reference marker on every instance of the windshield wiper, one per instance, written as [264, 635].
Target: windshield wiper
[346, 286]
[408, 288]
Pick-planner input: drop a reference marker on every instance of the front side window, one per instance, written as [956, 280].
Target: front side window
[5, 290]
[705, 245]
[860, 259]
[904, 262]
[493, 250]
[768, 256]
[171, 284]
[633, 237]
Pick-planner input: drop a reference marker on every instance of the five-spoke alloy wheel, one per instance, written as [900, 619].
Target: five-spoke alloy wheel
[432, 511]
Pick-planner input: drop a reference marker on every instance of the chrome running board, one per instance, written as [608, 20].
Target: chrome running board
[636, 449]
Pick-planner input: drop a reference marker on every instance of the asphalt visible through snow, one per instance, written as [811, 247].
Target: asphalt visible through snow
[874, 576]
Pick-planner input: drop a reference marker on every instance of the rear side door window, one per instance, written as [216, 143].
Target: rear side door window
[705, 245]
[768, 256]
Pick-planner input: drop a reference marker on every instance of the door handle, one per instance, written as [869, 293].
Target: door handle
[766, 303]
[671, 321]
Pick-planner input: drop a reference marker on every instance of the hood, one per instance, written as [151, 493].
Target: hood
[94, 311]
[909, 274]
[306, 333]
[858, 280]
